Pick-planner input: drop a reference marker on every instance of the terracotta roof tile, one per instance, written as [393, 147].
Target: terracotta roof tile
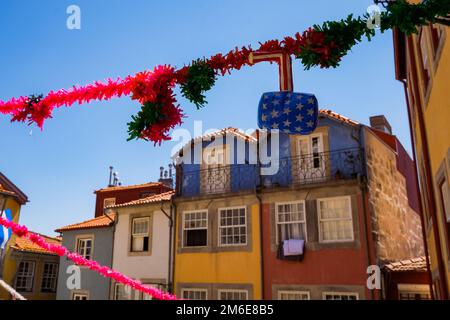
[25, 245]
[166, 196]
[99, 222]
[415, 264]
[135, 186]
[337, 116]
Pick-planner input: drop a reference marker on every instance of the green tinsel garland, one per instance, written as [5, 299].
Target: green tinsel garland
[200, 78]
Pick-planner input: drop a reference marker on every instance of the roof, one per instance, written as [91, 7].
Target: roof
[9, 188]
[166, 196]
[416, 264]
[102, 221]
[24, 244]
[230, 130]
[135, 186]
[337, 116]
[387, 138]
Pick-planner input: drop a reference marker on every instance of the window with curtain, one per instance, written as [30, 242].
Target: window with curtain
[335, 220]
[291, 221]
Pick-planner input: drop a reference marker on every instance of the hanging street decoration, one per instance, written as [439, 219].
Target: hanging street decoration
[22, 231]
[289, 112]
[321, 45]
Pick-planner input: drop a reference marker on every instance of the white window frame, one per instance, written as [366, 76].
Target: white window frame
[110, 200]
[219, 227]
[144, 296]
[52, 277]
[84, 238]
[277, 222]
[307, 293]
[128, 290]
[339, 293]
[184, 213]
[194, 290]
[233, 291]
[29, 274]
[338, 219]
[421, 289]
[140, 235]
[80, 294]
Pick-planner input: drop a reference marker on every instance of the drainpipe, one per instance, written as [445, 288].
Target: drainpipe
[419, 198]
[258, 196]
[367, 221]
[112, 246]
[169, 264]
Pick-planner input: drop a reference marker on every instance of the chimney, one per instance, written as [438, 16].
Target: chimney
[166, 177]
[380, 122]
[110, 176]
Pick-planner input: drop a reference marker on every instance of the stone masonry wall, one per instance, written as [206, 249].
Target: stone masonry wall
[396, 226]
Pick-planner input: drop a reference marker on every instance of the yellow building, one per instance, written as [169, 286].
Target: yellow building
[217, 232]
[12, 198]
[423, 65]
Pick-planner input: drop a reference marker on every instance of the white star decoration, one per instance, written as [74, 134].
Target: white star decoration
[298, 129]
[287, 111]
[274, 114]
[264, 106]
[310, 124]
[310, 101]
[299, 118]
[287, 123]
[276, 102]
[275, 126]
[299, 106]
[264, 117]
[310, 112]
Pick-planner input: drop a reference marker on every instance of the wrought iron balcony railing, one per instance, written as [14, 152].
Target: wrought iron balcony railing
[299, 170]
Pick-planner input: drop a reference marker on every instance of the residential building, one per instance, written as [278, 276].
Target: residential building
[218, 244]
[407, 280]
[35, 269]
[113, 195]
[346, 190]
[92, 239]
[143, 244]
[11, 198]
[423, 65]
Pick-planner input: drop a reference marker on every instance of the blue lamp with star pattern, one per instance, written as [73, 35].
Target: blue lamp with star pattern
[285, 110]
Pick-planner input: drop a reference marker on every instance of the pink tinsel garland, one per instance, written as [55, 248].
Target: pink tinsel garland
[22, 231]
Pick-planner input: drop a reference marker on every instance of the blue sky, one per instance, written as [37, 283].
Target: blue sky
[60, 167]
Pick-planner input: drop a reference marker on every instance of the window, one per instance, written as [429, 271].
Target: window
[445, 196]
[309, 163]
[335, 220]
[290, 220]
[195, 229]
[25, 276]
[153, 285]
[194, 294]
[122, 292]
[85, 247]
[225, 294]
[340, 296]
[232, 226]
[293, 295]
[140, 234]
[414, 292]
[49, 277]
[80, 296]
[423, 51]
[109, 202]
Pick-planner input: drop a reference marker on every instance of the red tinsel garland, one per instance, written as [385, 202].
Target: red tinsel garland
[154, 86]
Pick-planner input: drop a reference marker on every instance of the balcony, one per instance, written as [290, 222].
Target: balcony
[292, 171]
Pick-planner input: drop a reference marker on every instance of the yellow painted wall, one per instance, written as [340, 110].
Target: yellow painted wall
[223, 267]
[9, 265]
[437, 124]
